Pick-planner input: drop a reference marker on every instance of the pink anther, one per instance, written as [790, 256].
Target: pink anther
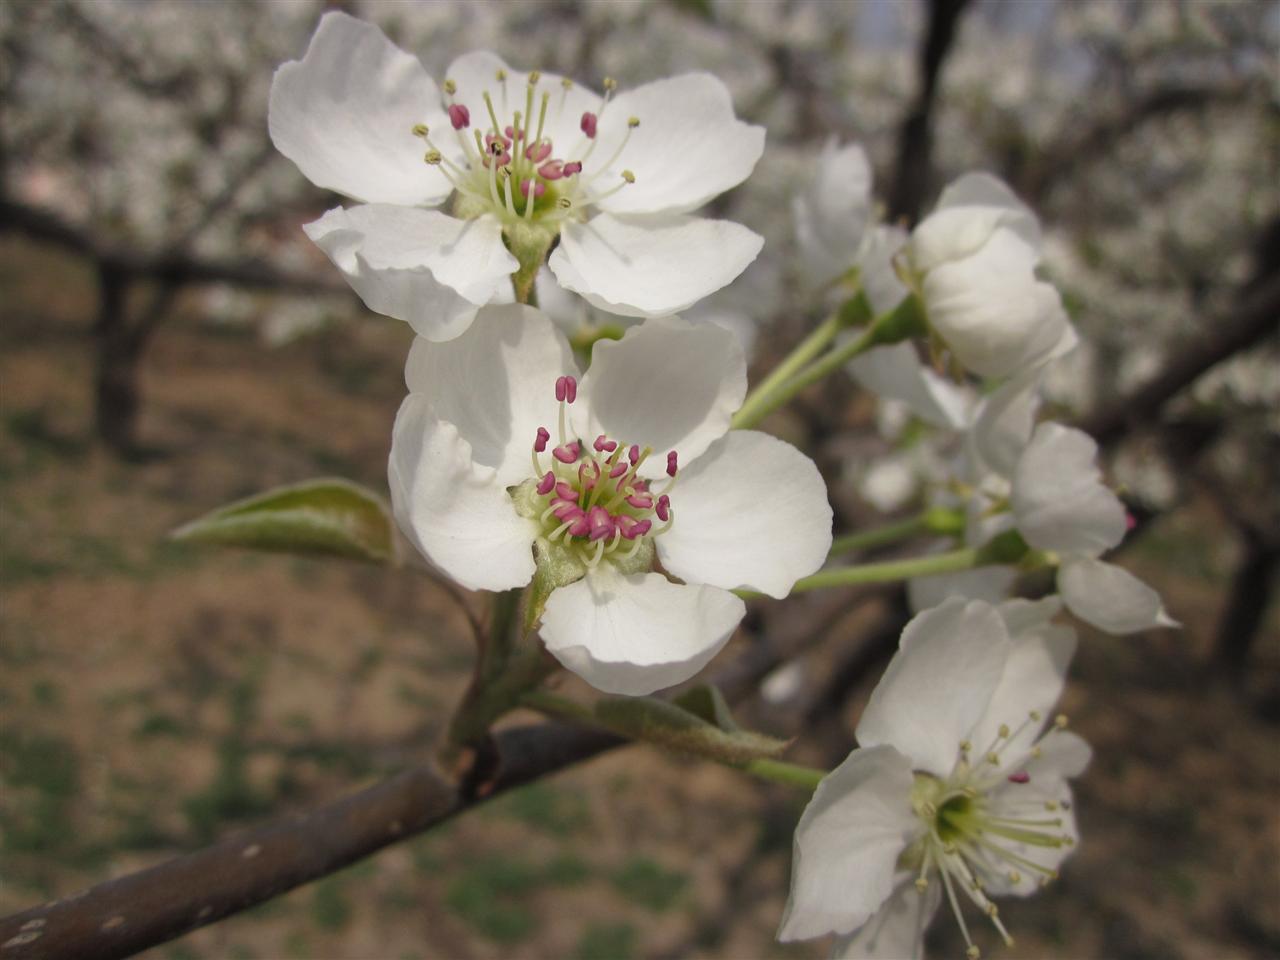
[570, 389]
[630, 527]
[1020, 777]
[634, 454]
[619, 469]
[1130, 521]
[671, 464]
[539, 188]
[566, 509]
[580, 526]
[601, 522]
[562, 388]
[589, 124]
[546, 484]
[604, 445]
[459, 116]
[641, 501]
[540, 443]
[513, 133]
[537, 152]
[663, 509]
[568, 453]
[565, 491]
[551, 170]
[572, 167]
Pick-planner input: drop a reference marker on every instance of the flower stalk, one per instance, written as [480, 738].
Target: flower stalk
[905, 320]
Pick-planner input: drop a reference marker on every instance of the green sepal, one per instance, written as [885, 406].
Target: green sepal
[908, 319]
[1007, 547]
[706, 702]
[328, 516]
[856, 311]
[675, 728]
[947, 521]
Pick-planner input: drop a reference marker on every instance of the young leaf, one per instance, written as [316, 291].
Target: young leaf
[707, 702]
[327, 516]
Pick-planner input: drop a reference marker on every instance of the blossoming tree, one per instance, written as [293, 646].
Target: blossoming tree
[580, 442]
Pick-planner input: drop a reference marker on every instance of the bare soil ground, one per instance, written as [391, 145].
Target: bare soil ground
[155, 696]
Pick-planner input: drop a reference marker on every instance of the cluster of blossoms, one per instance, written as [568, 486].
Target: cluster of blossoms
[633, 513]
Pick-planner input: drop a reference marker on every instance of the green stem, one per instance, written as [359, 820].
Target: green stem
[879, 536]
[808, 348]
[778, 771]
[905, 320]
[888, 572]
[790, 774]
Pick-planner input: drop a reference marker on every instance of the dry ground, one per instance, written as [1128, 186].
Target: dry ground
[155, 696]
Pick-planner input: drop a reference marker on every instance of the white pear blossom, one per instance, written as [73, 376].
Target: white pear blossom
[957, 791]
[503, 467]
[975, 260]
[1061, 505]
[521, 162]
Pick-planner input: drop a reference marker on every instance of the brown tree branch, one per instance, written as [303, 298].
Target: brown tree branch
[1256, 317]
[123, 916]
[177, 269]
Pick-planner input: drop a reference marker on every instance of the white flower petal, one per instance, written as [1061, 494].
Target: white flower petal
[1033, 678]
[896, 373]
[1004, 423]
[847, 844]
[345, 114]
[667, 384]
[751, 512]
[1059, 500]
[456, 513]
[880, 281]
[993, 312]
[496, 384]
[1063, 754]
[895, 931]
[990, 584]
[477, 72]
[833, 211]
[1021, 616]
[938, 684]
[688, 148]
[982, 190]
[635, 634]
[1110, 598]
[651, 266]
[1014, 800]
[420, 266]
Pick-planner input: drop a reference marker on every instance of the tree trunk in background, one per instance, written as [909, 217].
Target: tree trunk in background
[1246, 605]
[914, 168]
[118, 350]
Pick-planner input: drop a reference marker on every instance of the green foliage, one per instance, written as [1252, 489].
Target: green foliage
[649, 884]
[41, 774]
[607, 941]
[328, 516]
[330, 908]
[547, 808]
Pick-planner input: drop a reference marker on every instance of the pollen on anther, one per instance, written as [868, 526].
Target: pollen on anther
[1060, 721]
[450, 87]
[633, 122]
[433, 157]
[628, 176]
[420, 130]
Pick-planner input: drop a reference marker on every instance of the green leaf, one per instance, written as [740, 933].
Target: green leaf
[671, 726]
[329, 516]
[707, 703]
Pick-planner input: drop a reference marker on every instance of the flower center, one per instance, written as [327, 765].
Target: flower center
[511, 167]
[973, 832]
[590, 500]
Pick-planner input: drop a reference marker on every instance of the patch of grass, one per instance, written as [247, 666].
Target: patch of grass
[229, 796]
[487, 894]
[180, 951]
[42, 777]
[649, 884]
[607, 941]
[45, 693]
[567, 870]
[547, 808]
[159, 724]
[330, 908]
